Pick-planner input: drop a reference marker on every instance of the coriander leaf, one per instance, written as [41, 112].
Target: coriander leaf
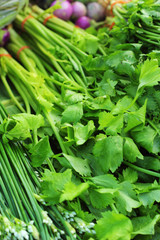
[58, 187]
[150, 74]
[72, 97]
[126, 68]
[19, 126]
[104, 119]
[44, 103]
[145, 138]
[86, 216]
[79, 165]
[113, 226]
[88, 43]
[53, 185]
[149, 162]
[12, 129]
[72, 191]
[107, 85]
[156, 144]
[126, 198]
[136, 118]
[144, 225]
[113, 124]
[73, 113]
[40, 152]
[109, 153]
[107, 181]
[130, 150]
[82, 133]
[95, 64]
[115, 59]
[100, 200]
[122, 104]
[130, 175]
[107, 190]
[34, 121]
[148, 198]
[103, 102]
[64, 162]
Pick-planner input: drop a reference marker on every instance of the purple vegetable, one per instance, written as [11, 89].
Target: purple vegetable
[65, 11]
[4, 36]
[83, 22]
[95, 11]
[79, 10]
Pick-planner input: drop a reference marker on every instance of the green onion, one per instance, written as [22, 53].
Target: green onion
[9, 9]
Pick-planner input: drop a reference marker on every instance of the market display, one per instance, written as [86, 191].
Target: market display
[80, 120]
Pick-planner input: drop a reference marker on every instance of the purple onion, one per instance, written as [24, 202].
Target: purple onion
[5, 36]
[65, 11]
[95, 11]
[79, 10]
[83, 22]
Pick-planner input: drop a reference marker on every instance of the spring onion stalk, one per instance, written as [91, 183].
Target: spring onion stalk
[56, 24]
[63, 28]
[18, 187]
[20, 211]
[9, 9]
[16, 43]
[36, 99]
[38, 45]
[36, 29]
[25, 55]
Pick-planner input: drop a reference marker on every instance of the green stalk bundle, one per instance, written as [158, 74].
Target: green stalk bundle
[9, 9]
[94, 132]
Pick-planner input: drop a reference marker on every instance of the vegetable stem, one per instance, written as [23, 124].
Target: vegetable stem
[139, 169]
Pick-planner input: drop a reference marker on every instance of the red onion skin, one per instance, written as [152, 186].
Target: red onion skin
[65, 12]
[83, 22]
[5, 38]
[79, 10]
[95, 11]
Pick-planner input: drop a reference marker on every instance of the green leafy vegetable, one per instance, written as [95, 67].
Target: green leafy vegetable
[41, 152]
[73, 113]
[58, 187]
[79, 165]
[114, 225]
[19, 126]
[109, 153]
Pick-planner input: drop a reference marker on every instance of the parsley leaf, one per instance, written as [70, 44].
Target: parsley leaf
[113, 226]
[82, 133]
[130, 175]
[112, 124]
[145, 138]
[40, 152]
[126, 198]
[109, 153]
[73, 113]
[58, 187]
[72, 191]
[100, 200]
[131, 151]
[20, 125]
[150, 74]
[144, 225]
[107, 181]
[79, 165]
